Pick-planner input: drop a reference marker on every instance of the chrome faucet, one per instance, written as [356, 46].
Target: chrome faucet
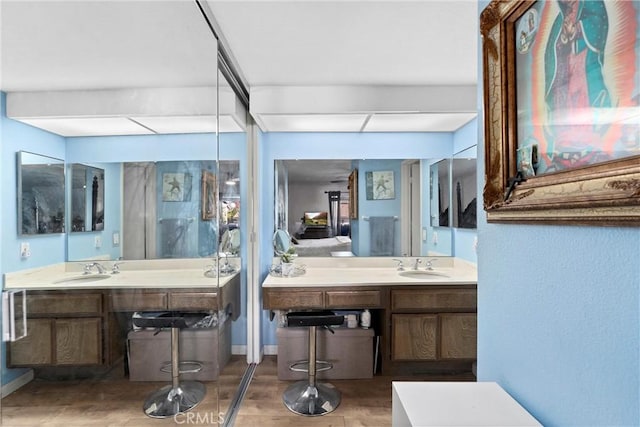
[417, 261]
[115, 268]
[89, 266]
[399, 266]
[430, 264]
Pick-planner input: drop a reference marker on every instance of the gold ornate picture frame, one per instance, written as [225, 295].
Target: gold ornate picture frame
[353, 194]
[537, 168]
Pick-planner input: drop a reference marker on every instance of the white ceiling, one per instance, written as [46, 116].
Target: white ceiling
[89, 45]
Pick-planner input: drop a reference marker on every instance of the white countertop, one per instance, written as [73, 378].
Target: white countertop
[343, 273]
[466, 404]
[174, 273]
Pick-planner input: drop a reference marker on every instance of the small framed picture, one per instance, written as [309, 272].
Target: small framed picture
[380, 185]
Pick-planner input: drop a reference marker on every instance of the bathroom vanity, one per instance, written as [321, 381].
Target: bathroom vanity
[76, 322]
[426, 321]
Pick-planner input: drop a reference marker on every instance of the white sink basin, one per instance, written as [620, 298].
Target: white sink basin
[421, 274]
[83, 278]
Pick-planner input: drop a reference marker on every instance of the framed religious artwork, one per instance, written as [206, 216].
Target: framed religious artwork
[562, 111]
[208, 195]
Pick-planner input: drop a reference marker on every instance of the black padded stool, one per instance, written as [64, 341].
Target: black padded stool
[179, 396]
[309, 397]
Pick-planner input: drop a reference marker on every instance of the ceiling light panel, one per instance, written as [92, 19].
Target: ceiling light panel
[418, 122]
[89, 126]
[313, 122]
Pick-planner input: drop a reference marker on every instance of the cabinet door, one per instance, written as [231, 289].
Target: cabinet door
[36, 347]
[458, 336]
[414, 336]
[78, 341]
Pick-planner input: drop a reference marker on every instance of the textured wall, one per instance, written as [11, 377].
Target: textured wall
[558, 318]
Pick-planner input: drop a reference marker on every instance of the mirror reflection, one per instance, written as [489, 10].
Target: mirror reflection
[87, 198]
[41, 194]
[315, 204]
[281, 242]
[440, 193]
[465, 192]
[162, 210]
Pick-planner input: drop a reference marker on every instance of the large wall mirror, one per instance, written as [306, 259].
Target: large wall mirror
[313, 204]
[87, 198]
[41, 194]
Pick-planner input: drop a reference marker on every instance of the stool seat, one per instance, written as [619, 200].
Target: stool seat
[314, 318]
[167, 319]
[179, 396]
[308, 397]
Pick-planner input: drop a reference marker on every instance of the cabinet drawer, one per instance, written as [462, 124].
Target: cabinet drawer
[355, 299]
[193, 301]
[434, 299]
[138, 301]
[293, 299]
[64, 303]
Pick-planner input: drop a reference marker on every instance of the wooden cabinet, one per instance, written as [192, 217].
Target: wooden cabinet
[34, 349]
[414, 336]
[358, 299]
[433, 324]
[458, 335]
[145, 300]
[300, 298]
[421, 328]
[63, 328]
[78, 341]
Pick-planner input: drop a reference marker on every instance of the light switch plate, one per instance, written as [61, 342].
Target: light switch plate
[25, 250]
[98, 242]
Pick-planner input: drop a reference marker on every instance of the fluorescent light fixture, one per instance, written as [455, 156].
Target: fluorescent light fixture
[180, 124]
[189, 124]
[88, 126]
[418, 122]
[313, 122]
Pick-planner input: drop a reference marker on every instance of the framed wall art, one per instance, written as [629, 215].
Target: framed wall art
[562, 111]
[380, 185]
[353, 194]
[208, 195]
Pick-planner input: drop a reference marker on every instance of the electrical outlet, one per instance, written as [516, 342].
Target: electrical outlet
[475, 244]
[25, 250]
[435, 237]
[98, 242]
[115, 238]
[424, 234]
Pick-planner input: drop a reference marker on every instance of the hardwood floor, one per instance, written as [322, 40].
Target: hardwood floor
[364, 402]
[112, 400]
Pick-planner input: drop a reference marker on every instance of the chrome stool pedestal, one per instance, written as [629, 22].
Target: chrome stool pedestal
[308, 397]
[179, 396]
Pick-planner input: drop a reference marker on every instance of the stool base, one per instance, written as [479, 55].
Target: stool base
[169, 401]
[305, 399]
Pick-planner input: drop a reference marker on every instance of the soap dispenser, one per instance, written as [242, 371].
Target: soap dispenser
[365, 319]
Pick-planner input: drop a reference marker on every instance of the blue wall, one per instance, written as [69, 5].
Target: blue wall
[558, 318]
[45, 249]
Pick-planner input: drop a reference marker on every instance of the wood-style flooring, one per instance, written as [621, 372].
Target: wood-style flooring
[113, 401]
